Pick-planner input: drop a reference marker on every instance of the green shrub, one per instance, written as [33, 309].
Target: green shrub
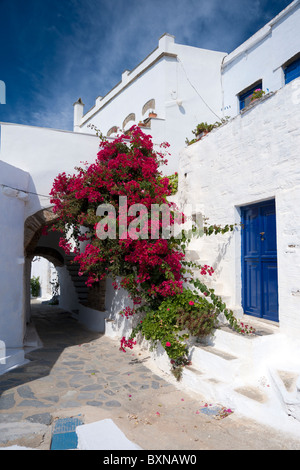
[35, 286]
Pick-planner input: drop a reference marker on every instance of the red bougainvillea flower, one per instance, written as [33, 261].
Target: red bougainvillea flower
[116, 219]
[191, 302]
[129, 167]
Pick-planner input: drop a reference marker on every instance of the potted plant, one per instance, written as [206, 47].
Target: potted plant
[202, 129]
[257, 94]
[152, 114]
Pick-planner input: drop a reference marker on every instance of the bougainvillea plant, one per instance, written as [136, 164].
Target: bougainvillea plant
[124, 241]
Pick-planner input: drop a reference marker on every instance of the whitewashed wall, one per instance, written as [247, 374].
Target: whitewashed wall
[44, 153]
[30, 159]
[261, 57]
[253, 158]
[183, 80]
[12, 262]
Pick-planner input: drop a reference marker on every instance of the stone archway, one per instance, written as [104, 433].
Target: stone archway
[33, 228]
[37, 245]
[51, 254]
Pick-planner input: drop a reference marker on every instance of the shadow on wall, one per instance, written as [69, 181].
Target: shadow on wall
[116, 300]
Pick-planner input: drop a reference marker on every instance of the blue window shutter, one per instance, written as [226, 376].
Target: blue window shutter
[292, 71]
[243, 96]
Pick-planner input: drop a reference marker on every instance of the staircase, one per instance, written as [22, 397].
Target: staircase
[79, 282]
[254, 375]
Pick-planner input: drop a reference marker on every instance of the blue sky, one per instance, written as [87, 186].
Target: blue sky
[55, 51]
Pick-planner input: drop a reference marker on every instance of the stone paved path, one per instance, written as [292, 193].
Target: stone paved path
[78, 372]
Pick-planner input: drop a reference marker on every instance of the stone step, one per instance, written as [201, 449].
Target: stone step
[249, 400]
[197, 381]
[289, 380]
[243, 345]
[81, 288]
[74, 273]
[287, 385]
[206, 358]
[245, 385]
[252, 393]
[70, 256]
[82, 296]
[73, 267]
[79, 281]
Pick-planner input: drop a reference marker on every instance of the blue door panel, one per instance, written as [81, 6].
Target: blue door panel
[270, 293]
[259, 261]
[252, 281]
[251, 240]
[269, 245]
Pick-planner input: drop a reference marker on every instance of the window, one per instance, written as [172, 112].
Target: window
[130, 117]
[112, 130]
[292, 70]
[245, 96]
[149, 105]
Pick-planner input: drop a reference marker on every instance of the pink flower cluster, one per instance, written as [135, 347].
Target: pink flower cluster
[166, 288]
[126, 344]
[207, 270]
[127, 166]
[127, 312]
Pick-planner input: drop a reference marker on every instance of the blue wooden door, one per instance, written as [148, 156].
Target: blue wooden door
[259, 261]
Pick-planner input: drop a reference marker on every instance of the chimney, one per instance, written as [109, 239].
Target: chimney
[78, 113]
[166, 42]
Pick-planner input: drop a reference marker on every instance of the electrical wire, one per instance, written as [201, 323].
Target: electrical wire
[24, 191]
[29, 192]
[197, 90]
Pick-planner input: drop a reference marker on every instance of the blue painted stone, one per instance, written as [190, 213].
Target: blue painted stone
[64, 435]
[211, 410]
[64, 441]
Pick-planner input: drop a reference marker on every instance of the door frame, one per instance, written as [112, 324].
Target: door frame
[259, 204]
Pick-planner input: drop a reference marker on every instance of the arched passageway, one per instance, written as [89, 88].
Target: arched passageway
[74, 295]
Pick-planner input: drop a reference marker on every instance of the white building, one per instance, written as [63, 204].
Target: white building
[30, 159]
[247, 165]
[186, 85]
[253, 159]
[267, 60]
[181, 84]
[13, 213]
[246, 171]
